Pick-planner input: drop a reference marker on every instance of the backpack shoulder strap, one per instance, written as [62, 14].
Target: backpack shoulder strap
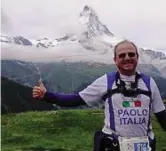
[111, 77]
[146, 80]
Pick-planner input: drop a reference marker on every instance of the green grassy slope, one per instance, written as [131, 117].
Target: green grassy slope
[64, 130]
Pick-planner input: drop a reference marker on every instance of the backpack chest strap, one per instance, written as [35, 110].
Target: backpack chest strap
[133, 92]
[128, 93]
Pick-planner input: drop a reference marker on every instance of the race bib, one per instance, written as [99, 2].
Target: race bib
[134, 144]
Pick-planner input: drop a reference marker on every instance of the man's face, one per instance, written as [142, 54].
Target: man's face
[126, 58]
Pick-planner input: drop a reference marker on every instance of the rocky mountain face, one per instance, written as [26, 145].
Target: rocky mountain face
[95, 28]
[155, 54]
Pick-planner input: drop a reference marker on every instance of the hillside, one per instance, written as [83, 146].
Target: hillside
[67, 77]
[18, 98]
[62, 130]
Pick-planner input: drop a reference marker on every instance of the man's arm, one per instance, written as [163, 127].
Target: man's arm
[40, 92]
[161, 117]
[63, 99]
[90, 95]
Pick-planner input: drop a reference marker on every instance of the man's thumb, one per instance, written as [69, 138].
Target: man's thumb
[40, 82]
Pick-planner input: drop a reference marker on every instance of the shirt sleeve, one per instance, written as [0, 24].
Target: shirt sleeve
[157, 103]
[93, 93]
[61, 99]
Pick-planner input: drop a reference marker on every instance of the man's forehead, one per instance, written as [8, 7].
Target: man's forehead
[126, 46]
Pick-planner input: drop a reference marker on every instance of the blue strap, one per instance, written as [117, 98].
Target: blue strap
[110, 80]
[146, 80]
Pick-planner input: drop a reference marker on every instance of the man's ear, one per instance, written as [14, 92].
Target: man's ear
[137, 55]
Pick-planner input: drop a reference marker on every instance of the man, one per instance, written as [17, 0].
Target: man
[129, 98]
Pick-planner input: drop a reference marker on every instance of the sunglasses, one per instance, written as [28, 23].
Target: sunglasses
[130, 55]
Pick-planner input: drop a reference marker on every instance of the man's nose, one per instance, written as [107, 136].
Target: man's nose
[126, 57]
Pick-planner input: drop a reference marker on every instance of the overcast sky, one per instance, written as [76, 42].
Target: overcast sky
[143, 21]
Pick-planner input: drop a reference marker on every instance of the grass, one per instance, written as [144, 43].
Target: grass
[63, 130]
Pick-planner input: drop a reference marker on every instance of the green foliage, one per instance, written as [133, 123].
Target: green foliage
[62, 130]
[18, 98]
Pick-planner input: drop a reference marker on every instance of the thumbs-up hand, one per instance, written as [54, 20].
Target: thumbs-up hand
[39, 91]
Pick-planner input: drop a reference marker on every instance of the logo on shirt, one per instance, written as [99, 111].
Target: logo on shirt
[132, 113]
[136, 103]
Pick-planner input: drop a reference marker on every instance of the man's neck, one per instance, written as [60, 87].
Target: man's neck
[126, 73]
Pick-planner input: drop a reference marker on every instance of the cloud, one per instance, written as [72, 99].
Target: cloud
[142, 21]
[6, 25]
[71, 52]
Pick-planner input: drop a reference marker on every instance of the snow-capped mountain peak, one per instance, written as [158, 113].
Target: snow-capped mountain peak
[87, 14]
[89, 18]
[93, 29]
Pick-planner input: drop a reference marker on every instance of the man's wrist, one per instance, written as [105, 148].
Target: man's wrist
[44, 97]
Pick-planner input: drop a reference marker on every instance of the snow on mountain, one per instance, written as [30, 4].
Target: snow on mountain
[88, 19]
[48, 42]
[155, 54]
[156, 50]
[94, 27]
[15, 40]
[96, 41]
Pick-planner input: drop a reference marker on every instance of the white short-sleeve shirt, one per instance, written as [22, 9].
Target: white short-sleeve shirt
[130, 121]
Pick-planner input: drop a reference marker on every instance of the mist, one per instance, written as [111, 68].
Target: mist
[68, 52]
